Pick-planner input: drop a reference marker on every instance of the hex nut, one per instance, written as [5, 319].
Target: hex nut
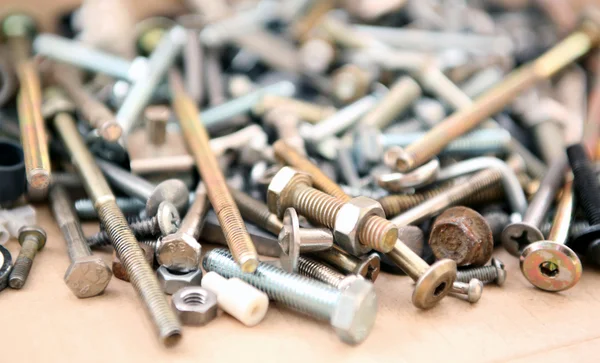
[350, 219]
[195, 305]
[118, 268]
[281, 189]
[354, 316]
[179, 252]
[171, 281]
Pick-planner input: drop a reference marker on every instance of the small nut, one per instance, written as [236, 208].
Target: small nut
[179, 252]
[118, 268]
[172, 281]
[350, 219]
[195, 305]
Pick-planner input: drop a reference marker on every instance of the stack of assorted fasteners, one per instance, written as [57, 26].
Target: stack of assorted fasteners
[336, 136]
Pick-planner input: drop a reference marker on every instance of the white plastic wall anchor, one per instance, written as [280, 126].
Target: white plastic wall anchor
[14, 219]
[237, 298]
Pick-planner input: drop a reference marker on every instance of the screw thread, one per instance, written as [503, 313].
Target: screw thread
[586, 183]
[256, 211]
[140, 273]
[297, 292]
[484, 274]
[317, 205]
[146, 227]
[318, 271]
[85, 207]
[140, 228]
[378, 233]
[22, 266]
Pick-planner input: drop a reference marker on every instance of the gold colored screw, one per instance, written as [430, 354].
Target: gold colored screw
[291, 157]
[197, 140]
[574, 46]
[140, 273]
[17, 28]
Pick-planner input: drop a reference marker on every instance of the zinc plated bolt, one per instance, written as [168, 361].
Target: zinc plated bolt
[351, 311]
[470, 291]
[222, 202]
[159, 62]
[88, 275]
[171, 190]
[321, 272]
[571, 48]
[550, 265]
[368, 266]
[32, 239]
[494, 272]
[17, 29]
[141, 275]
[516, 236]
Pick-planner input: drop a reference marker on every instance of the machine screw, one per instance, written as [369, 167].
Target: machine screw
[221, 200]
[587, 190]
[32, 239]
[171, 190]
[368, 267]
[141, 275]
[17, 29]
[87, 275]
[470, 291]
[164, 223]
[318, 271]
[492, 273]
[351, 311]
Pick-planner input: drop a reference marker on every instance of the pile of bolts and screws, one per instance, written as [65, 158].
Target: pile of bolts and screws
[335, 136]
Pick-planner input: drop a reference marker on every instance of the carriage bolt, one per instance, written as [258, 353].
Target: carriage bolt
[221, 200]
[351, 311]
[321, 272]
[141, 275]
[518, 235]
[470, 291]
[494, 272]
[32, 239]
[368, 266]
[171, 190]
[87, 275]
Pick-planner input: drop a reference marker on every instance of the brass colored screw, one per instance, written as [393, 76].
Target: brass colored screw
[222, 202]
[291, 157]
[140, 273]
[32, 239]
[17, 29]
[571, 48]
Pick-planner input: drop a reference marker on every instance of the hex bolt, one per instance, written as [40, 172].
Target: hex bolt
[463, 235]
[32, 239]
[165, 222]
[351, 312]
[550, 265]
[128, 206]
[88, 275]
[295, 240]
[470, 291]
[494, 272]
[518, 235]
[17, 29]
[159, 62]
[94, 112]
[221, 200]
[321, 272]
[587, 190]
[171, 190]
[180, 251]
[359, 224]
[368, 266]
[142, 277]
[564, 53]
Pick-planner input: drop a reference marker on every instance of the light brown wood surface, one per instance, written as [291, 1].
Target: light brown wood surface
[44, 322]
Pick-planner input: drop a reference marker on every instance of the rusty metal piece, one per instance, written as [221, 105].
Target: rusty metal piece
[119, 269]
[463, 235]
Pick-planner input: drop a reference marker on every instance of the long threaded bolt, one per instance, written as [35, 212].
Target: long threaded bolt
[32, 239]
[17, 29]
[87, 275]
[318, 271]
[140, 273]
[486, 274]
[564, 53]
[351, 311]
[222, 202]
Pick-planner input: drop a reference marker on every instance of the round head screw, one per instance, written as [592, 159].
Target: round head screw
[171, 190]
[500, 271]
[354, 315]
[494, 272]
[518, 235]
[472, 290]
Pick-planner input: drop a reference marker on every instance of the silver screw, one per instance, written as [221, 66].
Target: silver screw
[486, 274]
[87, 275]
[318, 271]
[351, 312]
[32, 239]
[470, 291]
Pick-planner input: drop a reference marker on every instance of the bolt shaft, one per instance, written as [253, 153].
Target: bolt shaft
[23, 264]
[586, 183]
[221, 200]
[318, 271]
[256, 212]
[85, 207]
[485, 274]
[140, 273]
[194, 218]
[68, 223]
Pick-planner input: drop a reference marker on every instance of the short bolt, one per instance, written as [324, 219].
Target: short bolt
[32, 239]
[471, 291]
[351, 311]
[494, 272]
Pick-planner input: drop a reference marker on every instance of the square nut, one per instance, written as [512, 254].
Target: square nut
[350, 218]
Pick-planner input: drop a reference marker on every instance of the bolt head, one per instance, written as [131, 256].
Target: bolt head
[354, 316]
[281, 187]
[87, 276]
[475, 291]
[289, 240]
[517, 235]
[168, 218]
[179, 252]
[550, 266]
[369, 267]
[36, 231]
[171, 190]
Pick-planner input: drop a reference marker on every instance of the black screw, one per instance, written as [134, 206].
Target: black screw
[587, 190]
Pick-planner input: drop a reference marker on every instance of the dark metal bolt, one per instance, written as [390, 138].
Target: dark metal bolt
[32, 239]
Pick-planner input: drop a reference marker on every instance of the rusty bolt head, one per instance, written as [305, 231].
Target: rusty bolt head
[119, 270]
[463, 235]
